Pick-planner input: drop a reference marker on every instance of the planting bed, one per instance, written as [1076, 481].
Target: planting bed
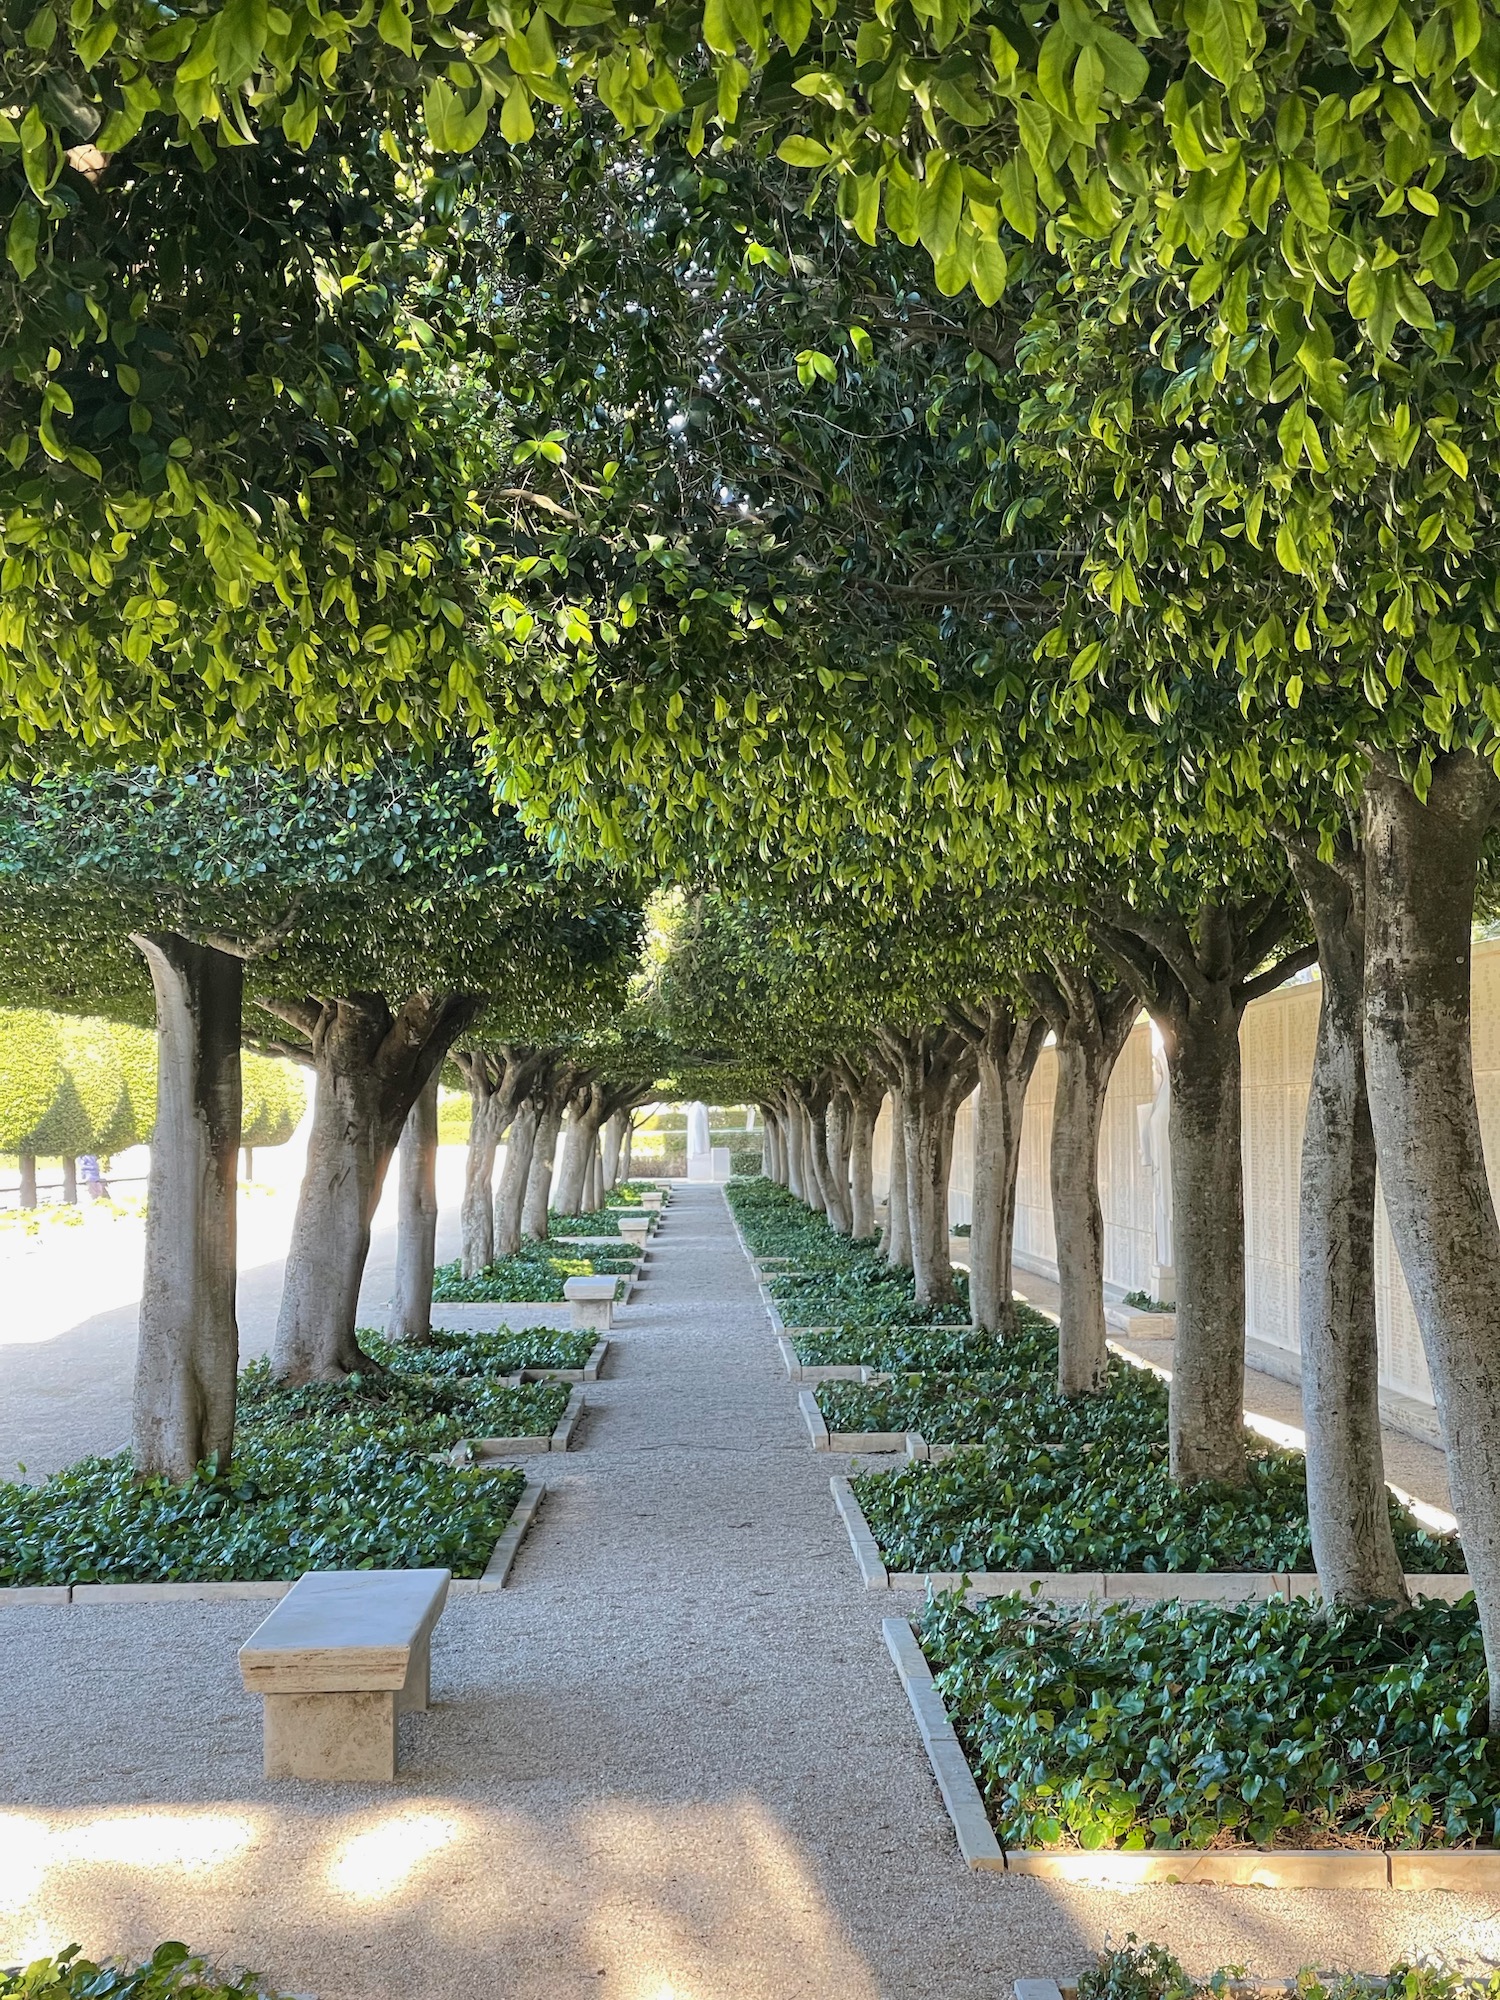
[532, 1351]
[1194, 1726]
[1135, 1971]
[324, 1476]
[535, 1277]
[171, 1973]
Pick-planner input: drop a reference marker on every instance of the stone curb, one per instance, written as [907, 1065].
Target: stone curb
[562, 1437]
[503, 1555]
[589, 1372]
[528, 1447]
[971, 1823]
[1106, 1586]
[812, 1416]
[872, 1569]
[1248, 1868]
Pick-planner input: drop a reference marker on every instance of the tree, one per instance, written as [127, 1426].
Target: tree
[272, 1104]
[31, 1075]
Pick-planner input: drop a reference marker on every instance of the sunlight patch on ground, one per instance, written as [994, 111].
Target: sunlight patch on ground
[370, 1866]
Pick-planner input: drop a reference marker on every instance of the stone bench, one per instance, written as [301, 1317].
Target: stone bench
[342, 1655]
[635, 1230]
[592, 1300]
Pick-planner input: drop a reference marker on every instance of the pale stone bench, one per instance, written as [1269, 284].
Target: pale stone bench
[342, 1655]
[635, 1230]
[592, 1300]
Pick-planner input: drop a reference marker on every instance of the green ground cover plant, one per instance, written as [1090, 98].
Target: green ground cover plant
[171, 1973]
[603, 1222]
[325, 1476]
[867, 1294]
[496, 1350]
[1209, 1725]
[1136, 1971]
[775, 1224]
[535, 1276]
[902, 1349]
[1047, 1482]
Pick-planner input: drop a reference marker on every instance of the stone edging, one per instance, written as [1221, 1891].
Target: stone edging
[589, 1372]
[1104, 1586]
[528, 1447]
[911, 1442]
[1467, 1870]
[85, 1594]
[798, 1371]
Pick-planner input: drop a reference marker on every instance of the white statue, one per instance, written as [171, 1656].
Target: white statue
[697, 1129]
[1153, 1124]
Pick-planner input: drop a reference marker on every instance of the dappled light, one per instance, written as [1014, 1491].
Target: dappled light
[387, 1858]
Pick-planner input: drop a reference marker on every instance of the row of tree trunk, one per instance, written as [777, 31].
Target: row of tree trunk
[1391, 912]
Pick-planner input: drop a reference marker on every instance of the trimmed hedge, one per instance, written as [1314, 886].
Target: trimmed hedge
[275, 1098]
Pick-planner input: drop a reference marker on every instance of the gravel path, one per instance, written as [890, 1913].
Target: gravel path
[672, 1762]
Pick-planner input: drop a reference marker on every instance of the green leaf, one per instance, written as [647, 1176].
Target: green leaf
[1306, 195]
[718, 28]
[239, 40]
[800, 151]
[21, 238]
[1125, 68]
[989, 270]
[1217, 38]
[792, 19]
[516, 122]
[1452, 454]
[394, 25]
[940, 204]
[450, 128]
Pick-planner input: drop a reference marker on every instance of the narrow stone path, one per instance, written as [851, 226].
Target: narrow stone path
[671, 1762]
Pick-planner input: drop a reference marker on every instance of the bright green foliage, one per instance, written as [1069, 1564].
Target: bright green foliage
[1177, 1725]
[322, 1479]
[499, 1350]
[171, 1973]
[135, 1052]
[535, 1275]
[1133, 1971]
[274, 1100]
[31, 1072]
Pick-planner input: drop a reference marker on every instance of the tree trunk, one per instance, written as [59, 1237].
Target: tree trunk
[1006, 1046]
[370, 1063]
[814, 1151]
[862, 1160]
[593, 1195]
[477, 1213]
[416, 1219]
[1348, 1506]
[614, 1133]
[539, 1181]
[836, 1124]
[627, 1150]
[1422, 863]
[896, 1242]
[796, 1157]
[826, 1159]
[28, 1180]
[930, 1111]
[188, 1356]
[510, 1196]
[585, 1113]
[1207, 1424]
[248, 1157]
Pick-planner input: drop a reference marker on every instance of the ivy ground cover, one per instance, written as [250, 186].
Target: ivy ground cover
[324, 1476]
[1204, 1725]
[535, 1276]
[1135, 1971]
[1046, 1482]
[171, 1973]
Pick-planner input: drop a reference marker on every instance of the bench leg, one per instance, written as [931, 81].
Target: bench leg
[349, 1736]
[593, 1318]
[418, 1689]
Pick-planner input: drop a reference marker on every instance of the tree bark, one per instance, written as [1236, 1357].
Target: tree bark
[1196, 977]
[627, 1150]
[585, 1115]
[812, 1148]
[837, 1120]
[1006, 1045]
[1348, 1507]
[867, 1102]
[416, 1219]
[1422, 863]
[510, 1195]
[188, 1356]
[796, 1153]
[816, 1101]
[539, 1181]
[371, 1061]
[896, 1238]
[28, 1180]
[614, 1133]
[938, 1069]
[477, 1213]
[1091, 1024]
[593, 1193]
[247, 1155]
[70, 1180]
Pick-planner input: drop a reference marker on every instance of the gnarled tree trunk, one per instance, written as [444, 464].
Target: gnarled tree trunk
[866, 1101]
[797, 1173]
[1006, 1044]
[614, 1134]
[1092, 1026]
[476, 1214]
[188, 1357]
[895, 1241]
[1348, 1507]
[416, 1219]
[544, 1151]
[585, 1115]
[371, 1061]
[1422, 862]
[510, 1195]
[937, 1072]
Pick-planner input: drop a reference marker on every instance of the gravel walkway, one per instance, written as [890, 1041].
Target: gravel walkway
[671, 1763]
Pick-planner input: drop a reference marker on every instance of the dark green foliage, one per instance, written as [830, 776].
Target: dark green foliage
[602, 1223]
[745, 1162]
[535, 1276]
[171, 1973]
[1135, 1971]
[1186, 1725]
[325, 1476]
[1144, 1302]
[495, 1351]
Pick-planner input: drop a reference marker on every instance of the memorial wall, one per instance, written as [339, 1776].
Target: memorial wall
[1276, 1047]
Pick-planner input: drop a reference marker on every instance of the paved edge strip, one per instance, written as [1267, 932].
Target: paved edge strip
[589, 1372]
[497, 1569]
[1470, 1870]
[872, 1569]
[567, 1423]
[1107, 1586]
[971, 1823]
[812, 1416]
